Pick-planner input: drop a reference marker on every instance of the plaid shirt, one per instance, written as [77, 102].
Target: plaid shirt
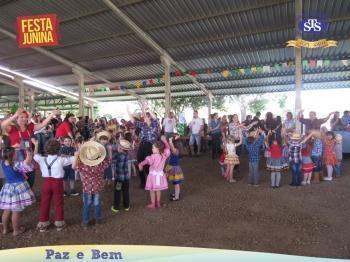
[67, 150]
[295, 151]
[148, 133]
[254, 149]
[317, 148]
[121, 170]
[235, 130]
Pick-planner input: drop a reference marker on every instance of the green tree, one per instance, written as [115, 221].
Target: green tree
[179, 104]
[257, 104]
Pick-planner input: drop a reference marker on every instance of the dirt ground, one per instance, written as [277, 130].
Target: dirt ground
[310, 221]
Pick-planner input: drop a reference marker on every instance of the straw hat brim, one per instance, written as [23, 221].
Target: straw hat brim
[103, 133]
[92, 162]
[124, 145]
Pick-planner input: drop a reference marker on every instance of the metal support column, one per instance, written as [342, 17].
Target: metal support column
[210, 106]
[166, 64]
[298, 64]
[80, 76]
[20, 92]
[31, 99]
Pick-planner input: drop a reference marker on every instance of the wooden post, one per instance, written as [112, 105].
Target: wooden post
[20, 92]
[298, 63]
[31, 99]
[210, 106]
[80, 76]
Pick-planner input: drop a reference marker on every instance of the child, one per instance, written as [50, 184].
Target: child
[156, 181]
[316, 156]
[307, 165]
[274, 161]
[132, 153]
[104, 137]
[231, 158]
[339, 154]
[173, 170]
[121, 182]
[68, 150]
[52, 171]
[90, 160]
[253, 145]
[329, 157]
[16, 193]
[295, 143]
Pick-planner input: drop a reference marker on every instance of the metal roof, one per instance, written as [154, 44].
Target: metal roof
[198, 34]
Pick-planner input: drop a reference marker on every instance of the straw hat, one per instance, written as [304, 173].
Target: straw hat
[252, 133]
[124, 144]
[103, 133]
[338, 138]
[92, 153]
[295, 136]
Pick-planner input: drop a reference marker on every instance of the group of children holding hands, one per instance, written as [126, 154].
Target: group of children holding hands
[101, 162]
[306, 156]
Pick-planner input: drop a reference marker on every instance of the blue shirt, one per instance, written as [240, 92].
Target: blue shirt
[317, 148]
[174, 159]
[148, 133]
[254, 149]
[215, 124]
[11, 175]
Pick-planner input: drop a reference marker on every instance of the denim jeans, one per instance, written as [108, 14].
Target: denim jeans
[253, 177]
[215, 145]
[90, 199]
[296, 174]
[337, 169]
[197, 138]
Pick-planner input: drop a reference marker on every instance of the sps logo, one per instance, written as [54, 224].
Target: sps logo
[311, 25]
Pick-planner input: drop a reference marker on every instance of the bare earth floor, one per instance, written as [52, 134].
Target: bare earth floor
[311, 221]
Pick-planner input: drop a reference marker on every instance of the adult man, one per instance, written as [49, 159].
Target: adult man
[313, 123]
[169, 124]
[196, 127]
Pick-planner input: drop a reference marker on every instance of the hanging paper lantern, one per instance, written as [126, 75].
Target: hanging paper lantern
[247, 71]
[233, 72]
[209, 71]
[194, 73]
[327, 63]
[178, 73]
[138, 84]
[241, 70]
[259, 69]
[158, 79]
[151, 82]
[312, 63]
[226, 73]
[144, 83]
[253, 69]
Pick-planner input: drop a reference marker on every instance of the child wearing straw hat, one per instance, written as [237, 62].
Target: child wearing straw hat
[121, 182]
[253, 145]
[91, 163]
[295, 143]
[103, 138]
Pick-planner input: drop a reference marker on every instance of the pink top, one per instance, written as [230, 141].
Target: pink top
[157, 161]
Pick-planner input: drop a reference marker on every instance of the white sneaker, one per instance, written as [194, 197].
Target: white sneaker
[308, 182]
[327, 178]
[303, 183]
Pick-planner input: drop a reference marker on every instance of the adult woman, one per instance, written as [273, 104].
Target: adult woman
[224, 126]
[337, 123]
[149, 133]
[270, 122]
[289, 123]
[66, 127]
[215, 133]
[20, 134]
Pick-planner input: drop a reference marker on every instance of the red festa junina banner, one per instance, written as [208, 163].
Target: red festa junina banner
[37, 30]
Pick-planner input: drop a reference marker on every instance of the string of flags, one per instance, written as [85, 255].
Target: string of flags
[226, 73]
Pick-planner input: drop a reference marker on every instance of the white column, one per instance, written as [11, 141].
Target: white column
[20, 92]
[81, 90]
[31, 99]
[210, 106]
[298, 64]
[166, 64]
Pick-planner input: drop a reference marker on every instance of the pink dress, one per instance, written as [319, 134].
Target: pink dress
[156, 179]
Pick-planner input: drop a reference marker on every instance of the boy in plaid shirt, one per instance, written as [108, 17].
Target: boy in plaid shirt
[121, 182]
[253, 145]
